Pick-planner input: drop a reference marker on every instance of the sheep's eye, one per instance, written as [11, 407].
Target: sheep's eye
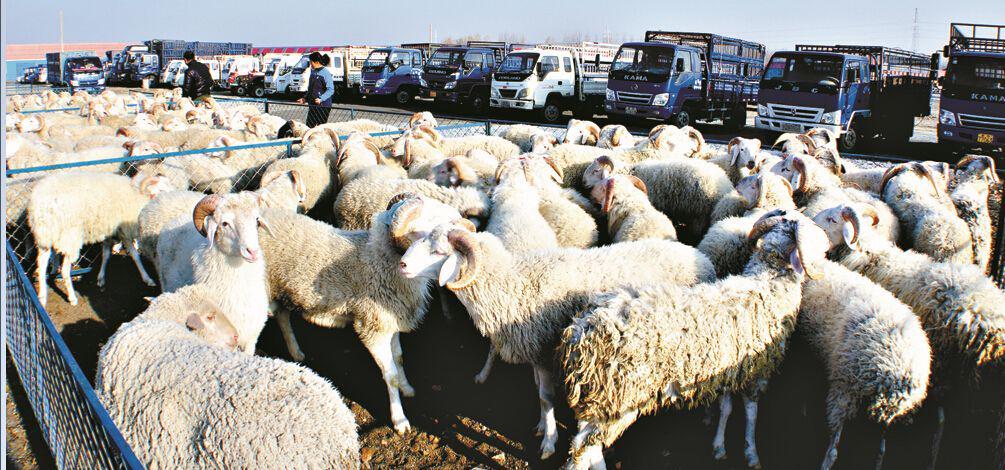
[225, 224]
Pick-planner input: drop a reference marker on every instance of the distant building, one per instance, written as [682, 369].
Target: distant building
[22, 56]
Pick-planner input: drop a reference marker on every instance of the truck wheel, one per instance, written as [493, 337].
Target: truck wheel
[239, 91]
[479, 103]
[552, 112]
[258, 92]
[403, 96]
[681, 119]
[849, 140]
[146, 83]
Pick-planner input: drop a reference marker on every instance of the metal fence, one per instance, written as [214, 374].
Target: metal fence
[75, 425]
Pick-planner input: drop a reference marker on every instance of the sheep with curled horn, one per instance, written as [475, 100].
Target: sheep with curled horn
[421, 118]
[793, 143]
[530, 139]
[581, 132]
[741, 158]
[475, 168]
[633, 351]
[615, 136]
[630, 215]
[823, 138]
[916, 196]
[974, 176]
[439, 146]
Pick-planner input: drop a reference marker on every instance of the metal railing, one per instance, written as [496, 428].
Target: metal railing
[75, 425]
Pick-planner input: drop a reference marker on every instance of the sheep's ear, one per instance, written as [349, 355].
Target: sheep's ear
[796, 262]
[210, 225]
[795, 178]
[450, 270]
[265, 225]
[194, 322]
[848, 233]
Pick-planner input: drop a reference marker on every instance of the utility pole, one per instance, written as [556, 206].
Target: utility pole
[61, 31]
[914, 35]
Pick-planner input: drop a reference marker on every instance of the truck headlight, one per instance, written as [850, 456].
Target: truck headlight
[495, 93]
[423, 83]
[610, 95]
[762, 110]
[831, 118]
[522, 93]
[450, 85]
[380, 83]
[101, 81]
[74, 82]
[947, 118]
[661, 99]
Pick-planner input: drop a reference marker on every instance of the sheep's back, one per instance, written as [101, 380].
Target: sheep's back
[67, 209]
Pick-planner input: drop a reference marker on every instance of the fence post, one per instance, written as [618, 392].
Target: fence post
[488, 127]
[352, 113]
[289, 149]
[266, 106]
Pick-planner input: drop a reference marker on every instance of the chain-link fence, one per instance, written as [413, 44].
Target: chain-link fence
[75, 425]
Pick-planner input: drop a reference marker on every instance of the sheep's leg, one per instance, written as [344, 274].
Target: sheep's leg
[487, 368]
[937, 439]
[832, 450]
[750, 407]
[719, 442]
[382, 352]
[403, 385]
[586, 451]
[135, 255]
[106, 252]
[41, 269]
[882, 450]
[545, 390]
[283, 319]
[67, 267]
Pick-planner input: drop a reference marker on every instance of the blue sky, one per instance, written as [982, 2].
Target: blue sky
[777, 24]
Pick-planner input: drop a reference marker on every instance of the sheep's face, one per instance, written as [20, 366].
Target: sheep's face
[151, 186]
[599, 170]
[581, 133]
[232, 227]
[794, 241]
[743, 154]
[11, 121]
[144, 122]
[174, 124]
[259, 127]
[791, 168]
[750, 190]
[427, 257]
[422, 118]
[543, 143]
[30, 123]
[238, 121]
[212, 326]
[843, 225]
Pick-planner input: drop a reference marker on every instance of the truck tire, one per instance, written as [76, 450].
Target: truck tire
[682, 119]
[258, 92]
[850, 140]
[479, 102]
[552, 112]
[403, 96]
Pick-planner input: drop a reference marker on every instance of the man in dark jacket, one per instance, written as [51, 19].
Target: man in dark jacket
[198, 81]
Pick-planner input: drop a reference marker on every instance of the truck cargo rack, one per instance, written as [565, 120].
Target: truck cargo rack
[499, 48]
[427, 48]
[976, 37]
[885, 62]
[720, 47]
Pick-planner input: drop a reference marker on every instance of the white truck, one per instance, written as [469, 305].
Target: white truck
[235, 66]
[171, 70]
[276, 66]
[346, 67]
[212, 64]
[552, 79]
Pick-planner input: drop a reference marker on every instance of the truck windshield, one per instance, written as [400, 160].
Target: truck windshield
[376, 58]
[521, 62]
[303, 63]
[812, 71]
[645, 64]
[446, 58]
[975, 73]
[84, 63]
[271, 66]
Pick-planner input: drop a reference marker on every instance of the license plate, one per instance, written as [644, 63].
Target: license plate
[432, 94]
[631, 110]
[791, 127]
[985, 139]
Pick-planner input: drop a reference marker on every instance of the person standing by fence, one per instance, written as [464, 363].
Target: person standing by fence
[198, 80]
[320, 89]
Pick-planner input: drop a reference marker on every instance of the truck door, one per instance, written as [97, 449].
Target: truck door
[855, 91]
[686, 81]
[550, 73]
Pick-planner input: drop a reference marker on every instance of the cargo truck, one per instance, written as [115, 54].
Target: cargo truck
[856, 92]
[972, 105]
[146, 63]
[683, 77]
[78, 70]
[345, 65]
[553, 79]
[462, 75]
[395, 72]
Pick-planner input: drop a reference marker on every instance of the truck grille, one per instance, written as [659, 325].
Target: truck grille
[797, 113]
[369, 82]
[507, 93]
[436, 85]
[982, 122]
[634, 98]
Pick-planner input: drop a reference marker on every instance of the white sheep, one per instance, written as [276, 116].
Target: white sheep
[183, 399]
[614, 136]
[581, 133]
[530, 139]
[630, 215]
[358, 201]
[741, 158]
[68, 210]
[516, 216]
[974, 174]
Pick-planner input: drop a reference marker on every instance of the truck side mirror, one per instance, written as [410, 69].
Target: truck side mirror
[596, 61]
[945, 50]
[679, 65]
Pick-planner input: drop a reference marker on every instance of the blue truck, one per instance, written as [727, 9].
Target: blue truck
[856, 92]
[972, 104]
[395, 72]
[77, 70]
[682, 77]
[462, 75]
[143, 63]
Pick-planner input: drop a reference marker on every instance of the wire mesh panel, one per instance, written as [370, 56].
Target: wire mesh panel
[75, 425]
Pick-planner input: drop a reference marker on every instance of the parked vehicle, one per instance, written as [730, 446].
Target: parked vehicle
[252, 84]
[146, 63]
[553, 79]
[296, 81]
[394, 72]
[276, 65]
[134, 62]
[972, 105]
[170, 70]
[353, 57]
[684, 77]
[212, 64]
[236, 66]
[78, 70]
[462, 75]
[856, 92]
[41, 76]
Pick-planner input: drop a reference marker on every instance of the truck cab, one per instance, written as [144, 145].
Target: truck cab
[235, 67]
[856, 92]
[298, 79]
[462, 75]
[392, 72]
[972, 105]
[554, 79]
[683, 77]
[275, 67]
[170, 71]
[80, 70]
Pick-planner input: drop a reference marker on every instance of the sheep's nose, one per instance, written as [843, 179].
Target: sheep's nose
[750, 165]
[250, 254]
[402, 265]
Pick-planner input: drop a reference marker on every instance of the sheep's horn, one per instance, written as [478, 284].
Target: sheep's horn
[191, 116]
[203, 209]
[464, 243]
[554, 166]
[608, 195]
[656, 130]
[641, 185]
[605, 160]
[407, 161]
[145, 184]
[788, 185]
[298, 184]
[401, 221]
[849, 214]
[376, 151]
[336, 142]
[415, 118]
[400, 197]
[129, 145]
[831, 157]
[923, 170]
[123, 132]
[765, 223]
[616, 137]
[810, 272]
[799, 165]
[986, 161]
[695, 135]
[759, 187]
[828, 135]
[594, 130]
[463, 172]
[889, 175]
[466, 224]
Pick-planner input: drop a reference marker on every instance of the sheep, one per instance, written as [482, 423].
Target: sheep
[68, 210]
[476, 168]
[570, 215]
[359, 157]
[686, 190]
[818, 188]
[516, 217]
[973, 176]
[741, 158]
[763, 190]
[183, 399]
[407, 147]
[359, 200]
[928, 225]
[726, 243]
[421, 118]
[633, 351]
[581, 133]
[336, 278]
[314, 167]
[873, 347]
[614, 136]
[530, 139]
[366, 126]
[521, 301]
[630, 215]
